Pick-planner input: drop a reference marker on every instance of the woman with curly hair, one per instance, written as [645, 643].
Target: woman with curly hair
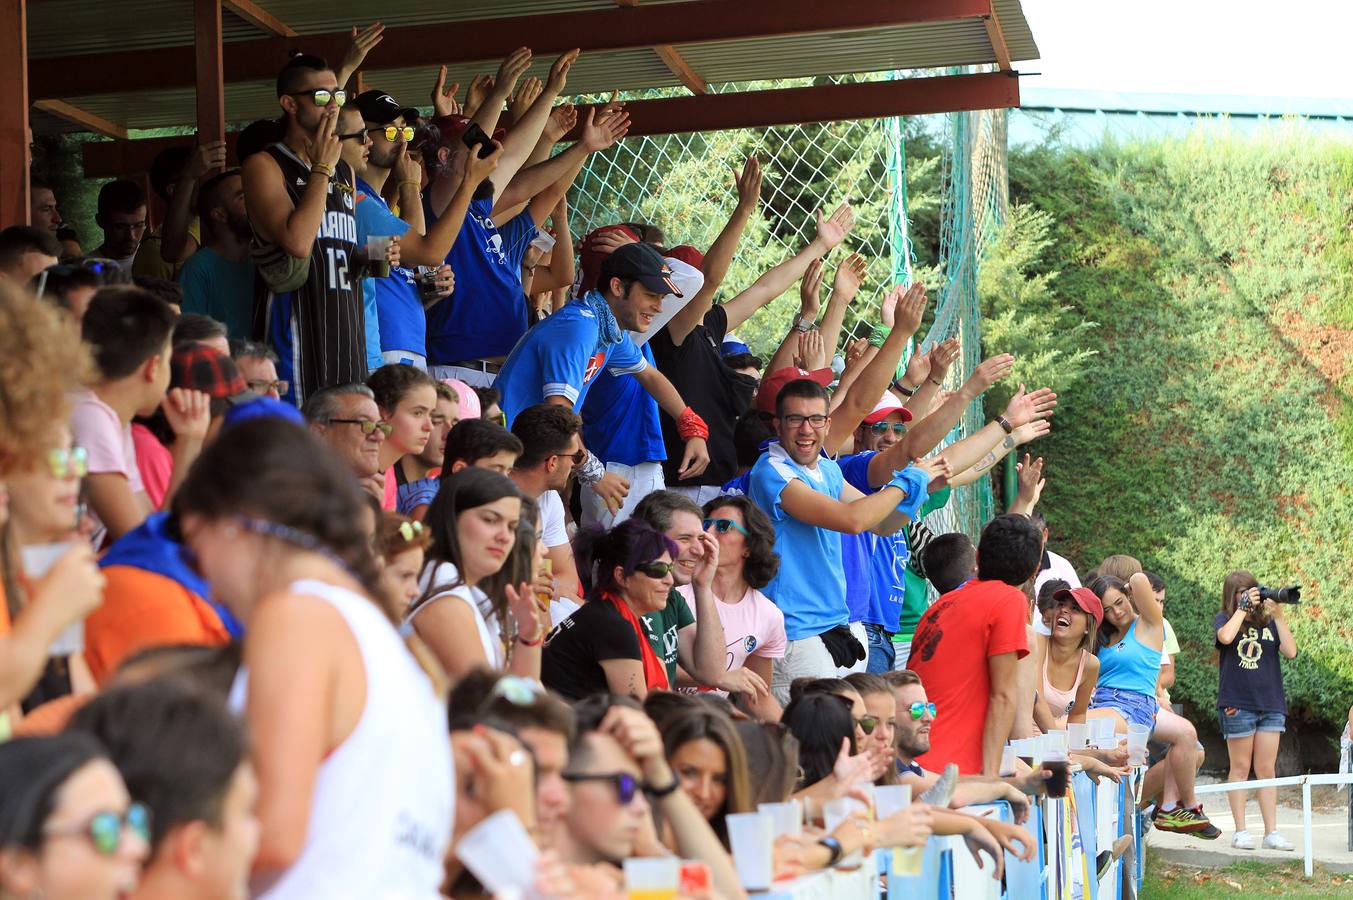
[753, 626]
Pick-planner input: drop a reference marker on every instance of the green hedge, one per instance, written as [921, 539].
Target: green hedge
[1211, 427]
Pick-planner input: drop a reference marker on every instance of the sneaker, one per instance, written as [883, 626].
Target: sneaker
[1275, 841]
[1242, 841]
[1187, 820]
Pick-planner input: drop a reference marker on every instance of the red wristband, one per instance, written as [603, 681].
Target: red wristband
[690, 425]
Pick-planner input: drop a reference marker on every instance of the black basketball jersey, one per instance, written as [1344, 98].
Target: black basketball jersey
[318, 329]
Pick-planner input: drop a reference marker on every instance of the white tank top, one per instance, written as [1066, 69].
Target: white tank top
[380, 818]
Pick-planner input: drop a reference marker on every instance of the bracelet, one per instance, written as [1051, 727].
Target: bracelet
[834, 847]
[659, 793]
[906, 392]
[934, 382]
[690, 425]
[323, 168]
[1005, 424]
[536, 643]
[417, 185]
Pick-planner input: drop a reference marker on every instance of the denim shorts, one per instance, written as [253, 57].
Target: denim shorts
[1245, 722]
[1137, 709]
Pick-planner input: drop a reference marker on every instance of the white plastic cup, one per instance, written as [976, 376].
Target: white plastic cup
[1058, 739]
[38, 560]
[750, 836]
[1101, 728]
[652, 877]
[890, 799]
[1078, 734]
[377, 251]
[500, 853]
[788, 817]
[834, 812]
[1007, 762]
[1136, 743]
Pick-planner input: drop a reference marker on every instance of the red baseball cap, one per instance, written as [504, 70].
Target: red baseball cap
[1085, 599]
[687, 254]
[887, 405]
[591, 258]
[773, 383]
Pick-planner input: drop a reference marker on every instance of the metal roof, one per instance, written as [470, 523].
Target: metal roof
[60, 29]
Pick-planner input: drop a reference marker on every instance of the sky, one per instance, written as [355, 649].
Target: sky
[1297, 48]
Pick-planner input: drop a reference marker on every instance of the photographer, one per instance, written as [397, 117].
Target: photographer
[1251, 632]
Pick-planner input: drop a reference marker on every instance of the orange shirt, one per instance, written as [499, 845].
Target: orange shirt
[5, 626]
[143, 609]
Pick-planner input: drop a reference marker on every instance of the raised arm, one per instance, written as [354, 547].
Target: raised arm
[810, 300]
[431, 249]
[597, 135]
[490, 109]
[926, 434]
[1031, 482]
[560, 272]
[1023, 435]
[176, 244]
[845, 287]
[1144, 599]
[362, 43]
[521, 140]
[513, 201]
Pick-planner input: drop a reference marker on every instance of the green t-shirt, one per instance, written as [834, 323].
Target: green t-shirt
[662, 628]
[917, 598]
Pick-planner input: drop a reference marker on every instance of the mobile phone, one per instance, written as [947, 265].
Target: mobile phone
[475, 136]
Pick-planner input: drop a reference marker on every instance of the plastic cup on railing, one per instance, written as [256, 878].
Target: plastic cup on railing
[1078, 734]
[652, 878]
[788, 817]
[834, 812]
[750, 836]
[1136, 743]
[1055, 761]
[1026, 749]
[890, 799]
[1057, 739]
[1007, 763]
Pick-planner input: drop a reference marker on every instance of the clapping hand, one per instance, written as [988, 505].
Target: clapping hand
[443, 97]
[832, 230]
[849, 276]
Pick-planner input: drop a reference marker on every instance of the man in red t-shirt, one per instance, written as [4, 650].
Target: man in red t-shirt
[968, 646]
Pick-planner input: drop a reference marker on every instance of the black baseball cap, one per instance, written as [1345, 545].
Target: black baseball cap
[379, 108]
[641, 263]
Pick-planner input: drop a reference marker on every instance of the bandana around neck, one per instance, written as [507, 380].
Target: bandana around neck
[608, 328]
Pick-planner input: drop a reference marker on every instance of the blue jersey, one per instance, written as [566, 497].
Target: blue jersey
[620, 419]
[810, 587]
[394, 307]
[561, 357]
[875, 565]
[488, 315]
[856, 548]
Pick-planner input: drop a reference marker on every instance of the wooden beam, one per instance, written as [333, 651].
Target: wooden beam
[208, 75]
[477, 40]
[710, 112]
[997, 38]
[673, 60]
[260, 18]
[14, 133]
[82, 117]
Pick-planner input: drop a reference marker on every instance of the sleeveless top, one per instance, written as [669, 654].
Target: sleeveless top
[383, 804]
[486, 623]
[1129, 665]
[1062, 702]
[318, 330]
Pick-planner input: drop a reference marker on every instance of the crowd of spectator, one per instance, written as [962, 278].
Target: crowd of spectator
[358, 537]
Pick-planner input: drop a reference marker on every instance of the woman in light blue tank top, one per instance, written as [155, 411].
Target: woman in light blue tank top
[1130, 650]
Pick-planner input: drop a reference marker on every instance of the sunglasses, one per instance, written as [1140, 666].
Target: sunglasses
[626, 786]
[722, 525]
[410, 530]
[898, 428]
[867, 723]
[322, 96]
[358, 136]
[394, 132]
[367, 426]
[264, 387]
[578, 458]
[105, 829]
[920, 709]
[70, 462]
[516, 690]
[656, 569]
[100, 267]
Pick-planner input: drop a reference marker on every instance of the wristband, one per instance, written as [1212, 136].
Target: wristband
[659, 793]
[834, 846]
[878, 335]
[323, 168]
[913, 482]
[536, 643]
[906, 392]
[1005, 424]
[690, 425]
[592, 470]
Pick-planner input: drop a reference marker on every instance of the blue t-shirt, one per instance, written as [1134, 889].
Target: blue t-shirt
[620, 419]
[221, 288]
[393, 306]
[488, 316]
[857, 548]
[875, 565]
[561, 357]
[738, 485]
[810, 587]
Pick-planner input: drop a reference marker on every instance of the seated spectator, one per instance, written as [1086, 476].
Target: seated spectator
[218, 280]
[477, 442]
[300, 207]
[753, 626]
[258, 365]
[347, 419]
[275, 522]
[968, 645]
[401, 545]
[70, 287]
[70, 243]
[168, 291]
[193, 328]
[128, 332]
[25, 252]
[616, 769]
[674, 632]
[122, 216]
[1066, 665]
[418, 473]
[552, 447]
[474, 521]
[469, 397]
[185, 757]
[490, 410]
[950, 561]
[706, 754]
[406, 398]
[175, 174]
[42, 208]
[603, 646]
[68, 828]
[772, 757]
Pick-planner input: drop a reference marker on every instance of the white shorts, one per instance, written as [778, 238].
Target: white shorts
[405, 358]
[806, 658]
[644, 479]
[701, 494]
[472, 377]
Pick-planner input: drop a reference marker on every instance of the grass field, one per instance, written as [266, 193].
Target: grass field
[1243, 880]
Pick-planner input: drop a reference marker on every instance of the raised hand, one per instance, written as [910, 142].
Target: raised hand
[939, 470]
[610, 107]
[324, 146]
[526, 94]
[362, 43]
[812, 351]
[558, 76]
[188, 413]
[1025, 407]
[910, 309]
[561, 121]
[477, 168]
[990, 371]
[833, 229]
[512, 68]
[888, 307]
[1031, 482]
[850, 770]
[1031, 431]
[521, 602]
[602, 135]
[749, 183]
[476, 93]
[942, 356]
[443, 97]
[810, 290]
[206, 158]
[849, 276]
[855, 352]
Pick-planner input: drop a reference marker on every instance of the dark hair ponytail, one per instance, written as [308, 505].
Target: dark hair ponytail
[628, 545]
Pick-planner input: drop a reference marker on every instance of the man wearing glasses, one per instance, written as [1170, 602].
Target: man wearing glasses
[299, 196]
[347, 419]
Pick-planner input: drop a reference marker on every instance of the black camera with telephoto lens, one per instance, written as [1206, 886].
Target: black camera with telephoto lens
[1289, 594]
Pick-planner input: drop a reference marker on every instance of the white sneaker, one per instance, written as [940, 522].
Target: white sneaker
[1242, 841]
[1275, 841]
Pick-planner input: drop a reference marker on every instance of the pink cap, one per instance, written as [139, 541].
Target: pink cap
[469, 400]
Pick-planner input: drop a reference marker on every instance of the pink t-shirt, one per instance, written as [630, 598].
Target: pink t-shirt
[154, 462]
[753, 627]
[391, 500]
[96, 427]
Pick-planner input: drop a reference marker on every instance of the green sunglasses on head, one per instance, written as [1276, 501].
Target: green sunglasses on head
[105, 829]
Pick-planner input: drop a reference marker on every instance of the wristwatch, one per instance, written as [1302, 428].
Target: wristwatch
[803, 325]
[837, 851]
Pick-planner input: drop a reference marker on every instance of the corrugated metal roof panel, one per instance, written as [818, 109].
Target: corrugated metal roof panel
[320, 16]
[69, 27]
